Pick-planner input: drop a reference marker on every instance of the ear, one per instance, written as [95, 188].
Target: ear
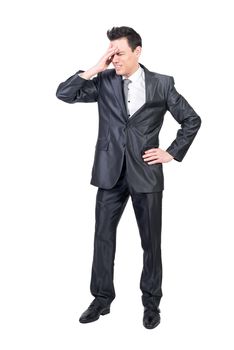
[138, 51]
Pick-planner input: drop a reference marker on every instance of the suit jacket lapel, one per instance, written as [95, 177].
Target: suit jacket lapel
[118, 90]
[150, 87]
[150, 84]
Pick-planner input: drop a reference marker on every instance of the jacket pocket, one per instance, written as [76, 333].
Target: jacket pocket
[102, 144]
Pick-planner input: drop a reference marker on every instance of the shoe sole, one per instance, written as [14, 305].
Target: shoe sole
[104, 312]
[151, 327]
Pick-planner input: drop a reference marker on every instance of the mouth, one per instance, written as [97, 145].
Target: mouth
[117, 66]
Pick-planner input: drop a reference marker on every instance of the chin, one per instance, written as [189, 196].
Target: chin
[119, 71]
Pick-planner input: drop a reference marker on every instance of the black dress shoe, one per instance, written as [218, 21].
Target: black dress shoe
[151, 318]
[93, 312]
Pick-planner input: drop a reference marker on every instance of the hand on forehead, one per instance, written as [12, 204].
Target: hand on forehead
[114, 46]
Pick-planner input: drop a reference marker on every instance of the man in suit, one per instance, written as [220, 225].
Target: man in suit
[132, 102]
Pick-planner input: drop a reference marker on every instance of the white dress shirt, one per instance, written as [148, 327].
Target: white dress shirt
[136, 92]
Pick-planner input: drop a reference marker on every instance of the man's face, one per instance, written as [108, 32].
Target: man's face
[125, 60]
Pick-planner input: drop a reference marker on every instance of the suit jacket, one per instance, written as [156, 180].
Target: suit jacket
[119, 135]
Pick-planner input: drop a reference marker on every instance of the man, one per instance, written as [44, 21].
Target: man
[132, 102]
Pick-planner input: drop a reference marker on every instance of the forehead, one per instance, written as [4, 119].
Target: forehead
[121, 44]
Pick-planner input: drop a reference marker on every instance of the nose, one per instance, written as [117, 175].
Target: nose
[115, 58]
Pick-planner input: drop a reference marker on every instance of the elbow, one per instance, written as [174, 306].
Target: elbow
[199, 122]
[196, 121]
[63, 97]
[58, 94]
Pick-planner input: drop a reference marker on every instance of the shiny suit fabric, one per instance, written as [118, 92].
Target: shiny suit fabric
[147, 207]
[120, 136]
[120, 172]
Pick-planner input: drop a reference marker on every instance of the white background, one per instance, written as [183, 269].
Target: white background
[47, 202]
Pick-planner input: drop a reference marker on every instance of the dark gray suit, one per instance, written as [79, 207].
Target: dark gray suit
[119, 170]
[119, 135]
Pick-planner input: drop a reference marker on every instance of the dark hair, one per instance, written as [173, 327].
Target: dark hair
[132, 36]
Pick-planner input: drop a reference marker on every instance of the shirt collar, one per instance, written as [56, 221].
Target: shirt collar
[135, 76]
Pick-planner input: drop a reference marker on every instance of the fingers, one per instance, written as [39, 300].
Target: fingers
[153, 160]
[156, 161]
[151, 150]
[156, 155]
[110, 54]
[111, 50]
[152, 156]
[112, 46]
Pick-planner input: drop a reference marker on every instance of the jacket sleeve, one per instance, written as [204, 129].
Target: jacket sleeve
[77, 89]
[185, 115]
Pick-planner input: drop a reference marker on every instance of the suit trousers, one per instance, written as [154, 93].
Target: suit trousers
[110, 204]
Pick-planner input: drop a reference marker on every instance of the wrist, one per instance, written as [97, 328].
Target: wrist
[89, 73]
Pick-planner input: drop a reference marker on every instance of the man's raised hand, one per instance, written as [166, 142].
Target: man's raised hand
[106, 59]
[102, 64]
